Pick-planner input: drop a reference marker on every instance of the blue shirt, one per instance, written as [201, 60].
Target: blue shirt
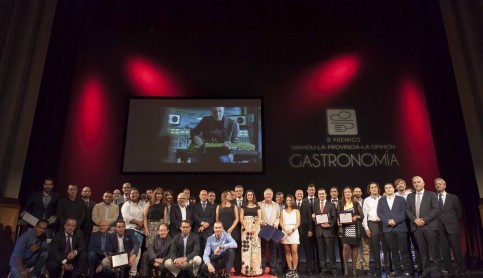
[212, 243]
[23, 244]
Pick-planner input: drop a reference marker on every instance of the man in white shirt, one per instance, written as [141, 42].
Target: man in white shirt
[133, 214]
[373, 227]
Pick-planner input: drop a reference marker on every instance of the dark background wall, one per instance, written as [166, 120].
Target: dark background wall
[402, 88]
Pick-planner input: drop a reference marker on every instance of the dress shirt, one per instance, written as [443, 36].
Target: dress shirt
[239, 202]
[212, 243]
[130, 211]
[311, 200]
[23, 244]
[185, 241]
[183, 212]
[405, 194]
[443, 196]
[299, 203]
[120, 242]
[390, 201]
[268, 211]
[322, 205]
[370, 210]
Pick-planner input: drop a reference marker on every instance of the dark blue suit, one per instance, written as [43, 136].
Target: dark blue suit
[130, 242]
[450, 216]
[96, 251]
[396, 236]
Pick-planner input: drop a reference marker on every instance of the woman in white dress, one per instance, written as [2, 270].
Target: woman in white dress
[289, 222]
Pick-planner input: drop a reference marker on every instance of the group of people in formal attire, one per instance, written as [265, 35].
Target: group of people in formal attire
[151, 234]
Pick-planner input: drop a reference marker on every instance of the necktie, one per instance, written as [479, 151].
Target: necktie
[440, 201]
[322, 207]
[161, 249]
[311, 202]
[298, 204]
[87, 203]
[68, 246]
[238, 203]
[418, 203]
[203, 205]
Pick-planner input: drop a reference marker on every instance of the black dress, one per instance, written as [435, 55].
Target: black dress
[227, 216]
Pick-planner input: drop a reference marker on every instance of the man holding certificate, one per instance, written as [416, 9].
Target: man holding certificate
[325, 215]
[122, 248]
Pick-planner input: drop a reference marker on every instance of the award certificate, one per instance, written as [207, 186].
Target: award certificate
[119, 260]
[345, 217]
[322, 218]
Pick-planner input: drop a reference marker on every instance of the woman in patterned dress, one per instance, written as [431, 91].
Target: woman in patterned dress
[251, 249]
[290, 222]
[155, 213]
[351, 237]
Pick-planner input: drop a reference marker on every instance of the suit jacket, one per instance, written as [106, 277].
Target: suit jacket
[451, 214]
[130, 242]
[98, 215]
[95, 244]
[71, 209]
[175, 218]
[57, 245]
[306, 224]
[274, 218]
[397, 213]
[88, 224]
[207, 215]
[428, 210]
[311, 209]
[35, 205]
[192, 247]
[331, 211]
[155, 246]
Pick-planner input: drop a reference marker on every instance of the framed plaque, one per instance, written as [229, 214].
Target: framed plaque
[119, 260]
[322, 218]
[345, 217]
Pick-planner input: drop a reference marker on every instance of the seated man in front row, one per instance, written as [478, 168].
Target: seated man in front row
[96, 250]
[215, 129]
[219, 252]
[158, 249]
[67, 251]
[121, 241]
[30, 252]
[183, 254]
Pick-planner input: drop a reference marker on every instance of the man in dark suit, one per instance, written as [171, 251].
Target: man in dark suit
[203, 218]
[334, 199]
[67, 251]
[89, 206]
[305, 229]
[325, 232]
[178, 213]
[422, 210]
[43, 205]
[96, 250]
[238, 202]
[184, 252]
[158, 250]
[391, 211]
[310, 201]
[449, 233]
[130, 245]
[71, 207]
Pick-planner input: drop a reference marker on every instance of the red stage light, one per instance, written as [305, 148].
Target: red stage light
[417, 131]
[92, 112]
[336, 74]
[149, 79]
